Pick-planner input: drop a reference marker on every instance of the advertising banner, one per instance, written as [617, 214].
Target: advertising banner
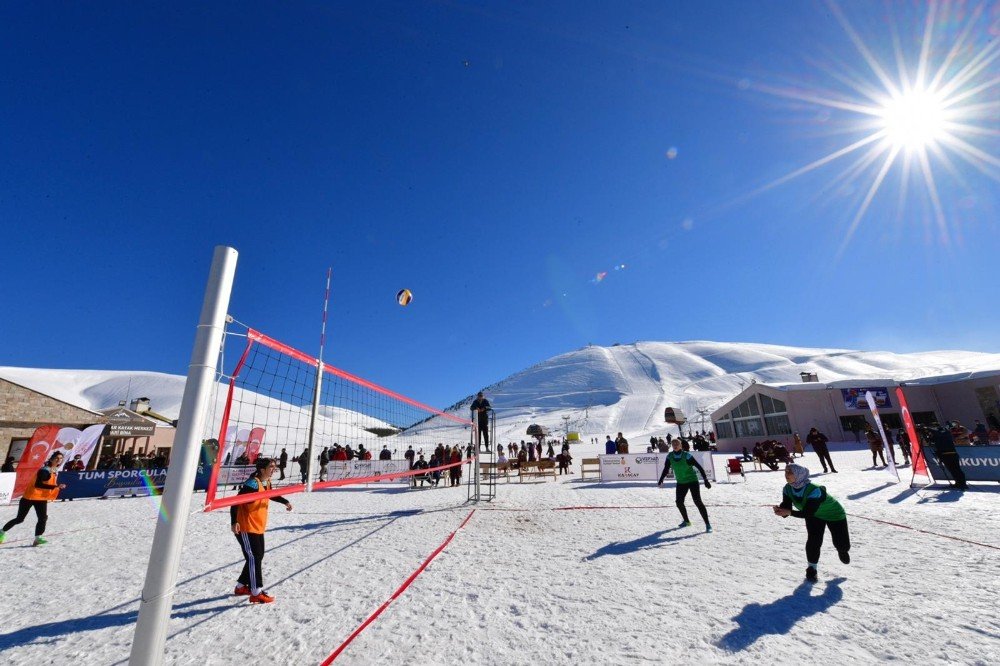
[979, 463]
[49, 439]
[646, 466]
[886, 451]
[242, 441]
[125, 482]
[7, 487]
[854, 398]
[351, 469]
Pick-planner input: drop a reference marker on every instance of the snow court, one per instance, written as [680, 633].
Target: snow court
[523, 582]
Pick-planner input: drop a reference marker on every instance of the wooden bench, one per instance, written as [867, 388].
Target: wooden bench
[590, 466]
[490, 469]
[537, 468]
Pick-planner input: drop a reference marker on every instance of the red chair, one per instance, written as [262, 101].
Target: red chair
[734, 466]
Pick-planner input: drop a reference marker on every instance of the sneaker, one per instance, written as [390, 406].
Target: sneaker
[810, 575]
[39, 541]
[708, 528]
[241, 591]
[3, 535]
[262, 598]
[845, 557]
[685, 523]
[834, 471]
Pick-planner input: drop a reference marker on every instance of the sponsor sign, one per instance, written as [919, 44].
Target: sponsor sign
[854, 398]
[979, 463]
[126, 423]
[646, 466]
[357, 469]
[124, 482]
[7, 487]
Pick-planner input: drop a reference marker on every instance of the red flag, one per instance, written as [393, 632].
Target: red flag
[35, 454]
[919, 464]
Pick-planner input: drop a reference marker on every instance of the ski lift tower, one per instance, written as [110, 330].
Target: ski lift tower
[565, 418]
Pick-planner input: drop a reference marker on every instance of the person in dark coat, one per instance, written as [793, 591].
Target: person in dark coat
[385, 453]
[409, 455]
[420, 464]
[481, 409]
[303, 461]
[944, 447]
[610, 448]
[817, 441]
[282, 463]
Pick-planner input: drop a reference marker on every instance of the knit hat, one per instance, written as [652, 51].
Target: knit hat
[800, 474]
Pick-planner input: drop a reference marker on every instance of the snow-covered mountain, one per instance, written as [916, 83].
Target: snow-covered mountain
[604, 390]
[594, 390]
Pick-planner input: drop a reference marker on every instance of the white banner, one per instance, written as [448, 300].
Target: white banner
[78, 443]
[356, 469]
[891, 465]
[7, 487]
[646, 466]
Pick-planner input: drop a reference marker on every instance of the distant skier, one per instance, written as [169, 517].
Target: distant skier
[44, 489]
[802, 499]
[249, 522]
[684, 466]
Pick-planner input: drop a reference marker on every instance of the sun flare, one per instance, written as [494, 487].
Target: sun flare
[914, 120]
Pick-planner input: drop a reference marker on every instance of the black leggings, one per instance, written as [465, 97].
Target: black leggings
[252, 546]
[816, 529]
[25, 505]
[484, 432]
[682, 491]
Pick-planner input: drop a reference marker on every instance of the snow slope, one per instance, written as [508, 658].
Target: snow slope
[526, 581]
[601, 389]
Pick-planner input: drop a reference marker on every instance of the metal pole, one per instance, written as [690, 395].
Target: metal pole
[165, 553]
[312, 423]
[318, 389]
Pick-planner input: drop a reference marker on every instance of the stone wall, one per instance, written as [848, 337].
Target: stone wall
[22, 410]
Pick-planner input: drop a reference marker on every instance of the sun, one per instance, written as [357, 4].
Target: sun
[914, 121]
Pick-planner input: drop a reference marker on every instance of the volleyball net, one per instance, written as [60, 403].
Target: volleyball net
[322, 426]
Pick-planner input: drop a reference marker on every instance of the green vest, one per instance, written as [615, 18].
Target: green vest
[830, 509]
[684, 471]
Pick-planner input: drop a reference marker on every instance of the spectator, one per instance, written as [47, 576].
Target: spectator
[904, 444]
[980, 434]
[610, 448]
[746, 455]
[324, 460]
[420, 464]
[8, 464]
[875, 446]
[409, 455]
[303, 461]
[944, 447]
[621, 445]
[817, 441]
[385, 453]
[503, 464]
[282, 463]
[797, 449]
[455, 458]
[75, 465]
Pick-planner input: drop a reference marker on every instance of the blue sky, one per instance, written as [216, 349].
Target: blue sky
[493, 158]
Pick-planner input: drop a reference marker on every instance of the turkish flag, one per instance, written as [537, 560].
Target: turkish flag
[917, 458]
[36, 453]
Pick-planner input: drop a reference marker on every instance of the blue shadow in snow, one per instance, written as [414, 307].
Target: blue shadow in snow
[778, 617]
[47, 632]
[648, 542]
[870, 491]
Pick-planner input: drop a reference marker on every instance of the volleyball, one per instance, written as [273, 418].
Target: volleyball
[404, 296]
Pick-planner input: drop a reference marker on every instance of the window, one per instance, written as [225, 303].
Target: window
[723, 429]
[853, 424]
[748, 427]
[891, 421]
[772, 405]
[746, 418]
[777, 424]
[923, 418]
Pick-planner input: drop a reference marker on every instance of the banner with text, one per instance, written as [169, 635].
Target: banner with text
[350, 469]
[978, 463]
[854, 398]
[646, 466]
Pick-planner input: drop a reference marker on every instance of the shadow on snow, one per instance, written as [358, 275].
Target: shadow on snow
[778, 617]
[648, 542]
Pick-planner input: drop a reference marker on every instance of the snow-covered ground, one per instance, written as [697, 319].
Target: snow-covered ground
[526, 582]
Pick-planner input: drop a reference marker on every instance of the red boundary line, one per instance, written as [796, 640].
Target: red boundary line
[395, 595]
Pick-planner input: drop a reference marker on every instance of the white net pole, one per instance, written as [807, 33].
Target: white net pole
[164, 557]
